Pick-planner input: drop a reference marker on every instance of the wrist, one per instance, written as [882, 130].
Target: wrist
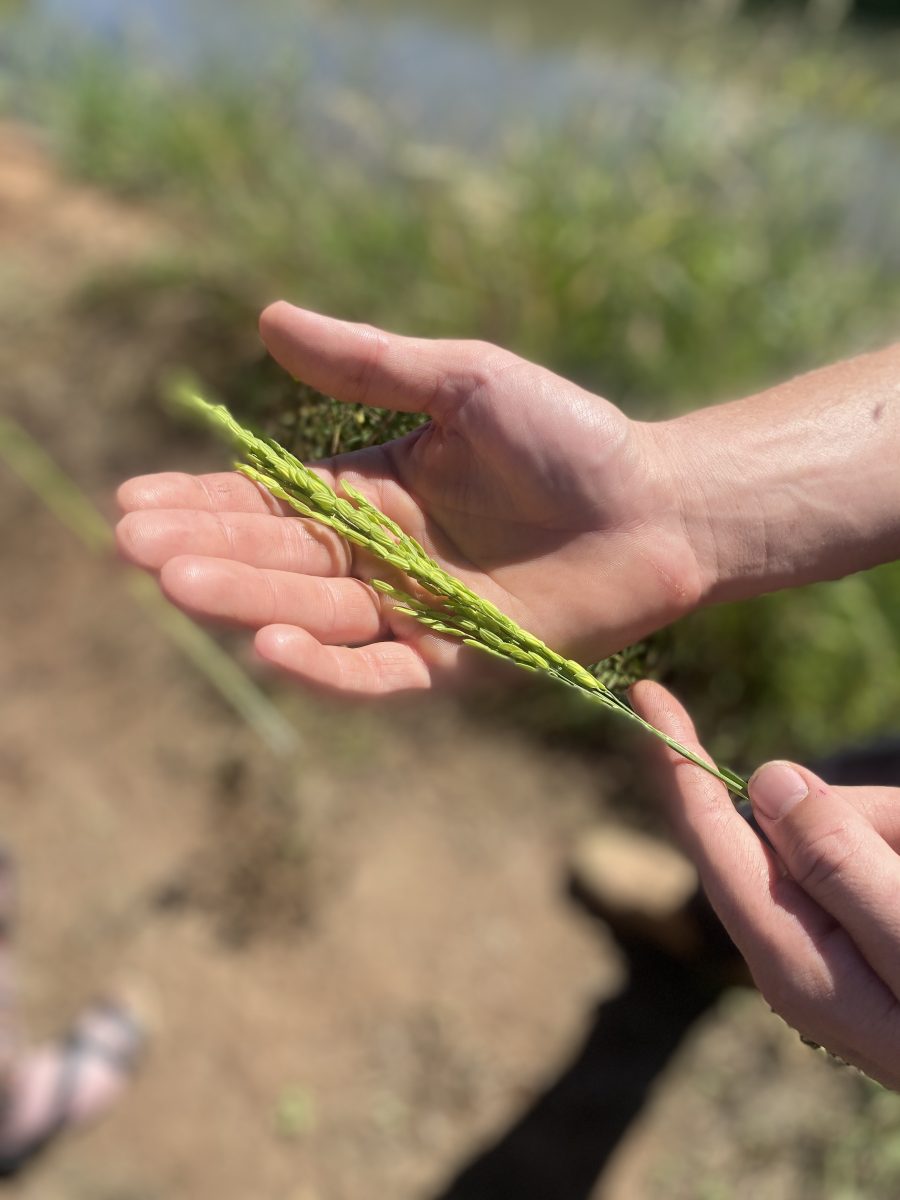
[698, 492]
[792, 486]
[757, 515]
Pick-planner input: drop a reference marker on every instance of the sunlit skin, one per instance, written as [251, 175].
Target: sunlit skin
[542, 497]
[591, 530]
[818, 919]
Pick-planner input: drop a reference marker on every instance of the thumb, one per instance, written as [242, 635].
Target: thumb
[364, 365]
[833, 852]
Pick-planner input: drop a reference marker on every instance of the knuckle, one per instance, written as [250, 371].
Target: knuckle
[490, 357]
[361, 602]
[228, 535]
[487, 362]
[446, 392]
[211, 493]
[328, 609]
[271, 605]
[500, 364]
[472, 371]
[817, 862]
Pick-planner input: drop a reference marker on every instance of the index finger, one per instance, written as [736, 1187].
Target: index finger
[805, 964]
[881, 808]
[224, 491]
[735, 867]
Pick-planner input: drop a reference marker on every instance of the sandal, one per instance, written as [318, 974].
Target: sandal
[69, 1083]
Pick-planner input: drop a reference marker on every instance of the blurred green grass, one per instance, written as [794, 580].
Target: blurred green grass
[686, 255]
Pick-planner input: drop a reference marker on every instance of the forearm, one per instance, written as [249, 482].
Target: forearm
[797, 484]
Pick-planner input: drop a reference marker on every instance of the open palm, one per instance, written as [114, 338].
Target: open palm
[542, 497]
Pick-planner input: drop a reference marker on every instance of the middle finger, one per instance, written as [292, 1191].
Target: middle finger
[150, 537]
[880, 806]
[336, 612]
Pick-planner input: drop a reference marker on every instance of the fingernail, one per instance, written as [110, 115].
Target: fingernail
[775, 788]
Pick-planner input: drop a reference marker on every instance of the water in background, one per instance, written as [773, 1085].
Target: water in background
[468, 76]
[457, 75]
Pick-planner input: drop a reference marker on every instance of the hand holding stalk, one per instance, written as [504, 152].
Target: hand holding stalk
[450, 607]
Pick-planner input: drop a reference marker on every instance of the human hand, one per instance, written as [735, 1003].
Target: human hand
[817, 919]
[543, 498]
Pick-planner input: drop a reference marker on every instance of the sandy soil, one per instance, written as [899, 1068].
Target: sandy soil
[361, 968]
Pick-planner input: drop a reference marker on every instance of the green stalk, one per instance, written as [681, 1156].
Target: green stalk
[455, 610]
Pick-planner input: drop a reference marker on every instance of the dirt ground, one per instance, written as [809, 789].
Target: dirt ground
[360, 966]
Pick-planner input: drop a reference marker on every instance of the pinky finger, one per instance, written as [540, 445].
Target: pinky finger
[379, 669]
